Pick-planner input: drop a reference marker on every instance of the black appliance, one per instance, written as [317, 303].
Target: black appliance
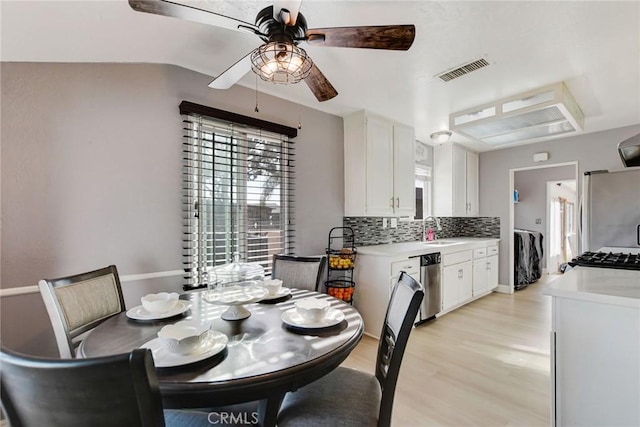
[621, 260]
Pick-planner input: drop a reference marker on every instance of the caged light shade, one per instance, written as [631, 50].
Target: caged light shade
[281, 62]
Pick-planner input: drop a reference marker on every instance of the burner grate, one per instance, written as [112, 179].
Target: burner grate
[620, 260]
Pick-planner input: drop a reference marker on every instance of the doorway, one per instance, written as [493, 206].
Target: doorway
[531, 210]
[561, 211]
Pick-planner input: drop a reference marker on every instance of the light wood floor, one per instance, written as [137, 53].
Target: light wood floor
[485, 364]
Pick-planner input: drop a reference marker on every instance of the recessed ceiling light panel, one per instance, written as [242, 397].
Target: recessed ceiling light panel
[541, 113]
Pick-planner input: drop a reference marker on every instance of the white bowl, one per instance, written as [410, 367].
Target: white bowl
[182, 337]
[159, 303]
[312, 309]
[272, 285]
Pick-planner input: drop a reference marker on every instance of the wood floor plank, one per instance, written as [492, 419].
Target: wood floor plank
[484, 364]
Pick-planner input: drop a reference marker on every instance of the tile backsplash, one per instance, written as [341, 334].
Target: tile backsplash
[370, 231]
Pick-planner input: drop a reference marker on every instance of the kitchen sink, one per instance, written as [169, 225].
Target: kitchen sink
[442, 243]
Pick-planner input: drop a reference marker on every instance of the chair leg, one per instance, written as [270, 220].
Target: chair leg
[268, 410]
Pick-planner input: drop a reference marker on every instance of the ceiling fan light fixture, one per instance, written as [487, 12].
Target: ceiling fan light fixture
[281, 62]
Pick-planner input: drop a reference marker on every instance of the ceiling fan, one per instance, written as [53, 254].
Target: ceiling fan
[281, 27]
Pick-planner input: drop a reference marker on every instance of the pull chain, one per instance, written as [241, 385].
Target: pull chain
[299, 110]
[257, 110]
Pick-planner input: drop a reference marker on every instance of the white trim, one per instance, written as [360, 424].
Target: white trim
[25, 290]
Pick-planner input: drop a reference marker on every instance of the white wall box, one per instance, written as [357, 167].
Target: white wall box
[455, 181]
[379, 164]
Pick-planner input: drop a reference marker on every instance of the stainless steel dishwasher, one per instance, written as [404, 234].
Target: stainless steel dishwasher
[430, 279]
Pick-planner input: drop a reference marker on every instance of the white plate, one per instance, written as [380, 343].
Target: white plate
[282, 292]
[293, 318]
[139, 313]
[212, 343]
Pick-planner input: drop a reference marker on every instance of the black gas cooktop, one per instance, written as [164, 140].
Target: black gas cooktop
[626, 261]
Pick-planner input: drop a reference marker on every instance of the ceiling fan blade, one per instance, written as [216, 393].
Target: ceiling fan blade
[319, 85]
[391, 37]
[231, 75]
[292, 6]
[190, 13]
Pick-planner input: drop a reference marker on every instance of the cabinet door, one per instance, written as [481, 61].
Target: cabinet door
[465, 283]
[404, 180]
[479, 276]
[472, 184]
[492, 272]
[450, 279]
[460, 207]
[379, 181]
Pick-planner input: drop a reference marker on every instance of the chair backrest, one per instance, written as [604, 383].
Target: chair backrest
[403, 307]
[119, 390]
[79, 303]
[299, 272]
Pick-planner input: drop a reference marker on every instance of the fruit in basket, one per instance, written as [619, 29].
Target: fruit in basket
[339, 262]
[343, 294]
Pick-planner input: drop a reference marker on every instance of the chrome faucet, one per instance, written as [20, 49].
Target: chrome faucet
[424, 226]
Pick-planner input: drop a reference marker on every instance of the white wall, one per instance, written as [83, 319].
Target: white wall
[91, 176]
[592, 151]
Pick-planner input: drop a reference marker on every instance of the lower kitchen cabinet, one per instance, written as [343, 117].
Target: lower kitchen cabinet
[457, 283]
[595, 362]
[485, 270]
[376, 276]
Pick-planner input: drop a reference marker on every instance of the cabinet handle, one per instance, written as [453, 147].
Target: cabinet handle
[397, 202]
[392, 202]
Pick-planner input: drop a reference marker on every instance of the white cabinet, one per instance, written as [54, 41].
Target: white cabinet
[379, 166]
[376, 276]
[595, 369]
[485, 270]
[455, 181]
[456, 279]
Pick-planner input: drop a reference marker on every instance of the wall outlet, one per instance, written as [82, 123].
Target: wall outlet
[384, 223]
[394, 222]
[538, 220]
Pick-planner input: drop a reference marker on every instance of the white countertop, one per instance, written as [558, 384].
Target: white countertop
[422, 248]
[603, 285]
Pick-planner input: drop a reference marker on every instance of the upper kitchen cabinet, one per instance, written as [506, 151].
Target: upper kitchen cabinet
[455, 181]
[379, 157]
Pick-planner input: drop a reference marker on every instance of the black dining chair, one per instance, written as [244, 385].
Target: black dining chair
[76, 304]
[350, 398]
[298, 271]
[111, 391]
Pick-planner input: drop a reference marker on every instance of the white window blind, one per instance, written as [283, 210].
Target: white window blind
[238, 194]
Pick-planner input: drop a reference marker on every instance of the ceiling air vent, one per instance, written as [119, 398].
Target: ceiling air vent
[462, 70]
[531, 116]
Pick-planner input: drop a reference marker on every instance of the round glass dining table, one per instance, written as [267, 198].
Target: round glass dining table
[263, 360]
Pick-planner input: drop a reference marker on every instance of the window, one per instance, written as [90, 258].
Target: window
[238, 194]
[423, 191]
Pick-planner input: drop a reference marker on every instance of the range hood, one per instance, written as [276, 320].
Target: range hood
[530, 116]
[629, 150]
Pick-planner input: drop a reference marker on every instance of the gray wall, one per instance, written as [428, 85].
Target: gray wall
[592, 151]
[532, 187]
[90, 175]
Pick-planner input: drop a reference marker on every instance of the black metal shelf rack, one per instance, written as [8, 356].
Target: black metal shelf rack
[341, 257]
